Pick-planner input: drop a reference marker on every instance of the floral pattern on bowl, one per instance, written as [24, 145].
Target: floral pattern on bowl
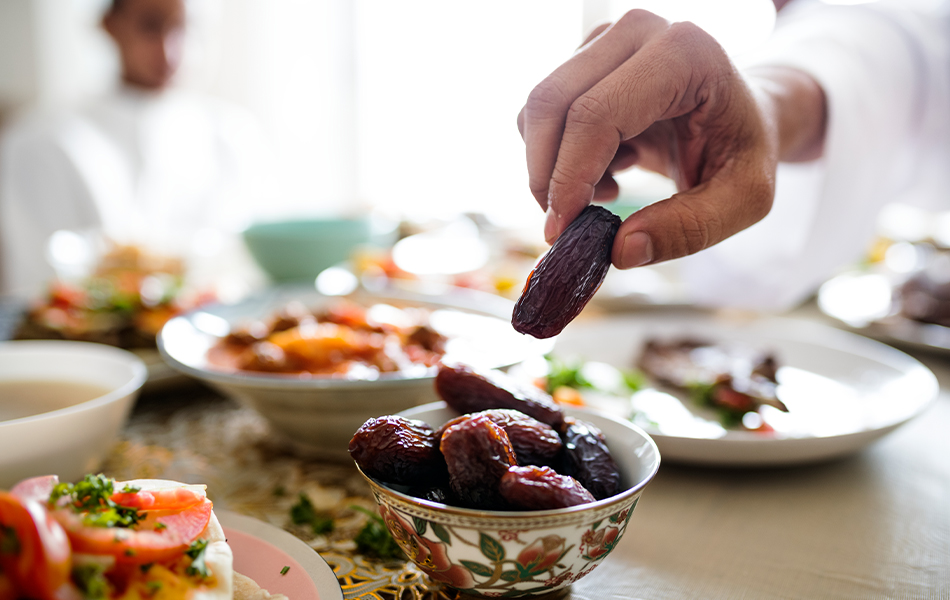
[518, 554]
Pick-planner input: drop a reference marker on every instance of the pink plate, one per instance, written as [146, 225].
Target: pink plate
[261, 551]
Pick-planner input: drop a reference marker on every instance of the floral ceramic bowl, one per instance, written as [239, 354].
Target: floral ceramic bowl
[525, 553]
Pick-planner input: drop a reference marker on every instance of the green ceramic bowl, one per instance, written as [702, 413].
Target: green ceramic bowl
[299, 250]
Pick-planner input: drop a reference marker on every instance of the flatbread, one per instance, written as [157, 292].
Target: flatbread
[246, 588]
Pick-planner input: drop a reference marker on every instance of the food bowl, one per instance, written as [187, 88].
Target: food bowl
[297, 250]
[318, 415]
[66, 436]
[523, 553]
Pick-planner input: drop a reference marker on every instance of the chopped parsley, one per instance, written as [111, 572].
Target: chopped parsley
[196, 552]
[9, 542]
[304, 513]
[562, 374]
[284, 570]
[160, 526]
[91, 580]
[701, 393]
[375, 540]
[130, 489]
[571, 374]
[93, 496]
[153, 587]
[146, 568]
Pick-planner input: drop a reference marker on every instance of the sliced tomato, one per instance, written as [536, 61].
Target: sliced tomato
[35, 488]
[176, 498]
[7, 592]
[38, 559]
[161, 535]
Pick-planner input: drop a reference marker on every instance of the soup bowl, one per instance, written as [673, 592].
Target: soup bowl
[70, 439]
[518, 553]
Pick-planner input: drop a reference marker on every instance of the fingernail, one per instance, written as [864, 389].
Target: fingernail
[637, 250]
[550, 225]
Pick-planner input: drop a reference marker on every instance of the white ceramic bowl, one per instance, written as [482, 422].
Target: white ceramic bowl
[70, 441]
[318, 415]
[526, 553]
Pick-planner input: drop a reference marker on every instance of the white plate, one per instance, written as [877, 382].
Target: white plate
[864, 302]
[843, 391]
[318, 415]
[261, 551]
[477, 324]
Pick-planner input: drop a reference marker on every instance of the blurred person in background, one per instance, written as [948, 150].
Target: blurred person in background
[846, 109]
[145, 164]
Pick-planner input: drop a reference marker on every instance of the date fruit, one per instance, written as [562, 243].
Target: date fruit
[588, 460]
[568, 275]
[477, 453]
[468, 390]
[534, 442]
[541, 488]
[397, 450]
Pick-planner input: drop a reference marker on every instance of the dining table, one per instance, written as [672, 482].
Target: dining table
[871, 525]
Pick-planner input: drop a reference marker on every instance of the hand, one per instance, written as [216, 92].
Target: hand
[665, 97]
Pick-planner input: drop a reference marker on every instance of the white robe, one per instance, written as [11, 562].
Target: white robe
[885, 69]
[158, 169]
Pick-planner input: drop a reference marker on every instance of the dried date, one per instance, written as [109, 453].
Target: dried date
[478, 454]
[587, 459]
[541, 488]
[398, 450]
[567, 277]
[468, 390]
[534, 442]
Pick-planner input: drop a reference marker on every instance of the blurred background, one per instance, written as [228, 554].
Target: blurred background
[408, 105]
[316, 110]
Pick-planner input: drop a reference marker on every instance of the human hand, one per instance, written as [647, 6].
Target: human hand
[665, 97]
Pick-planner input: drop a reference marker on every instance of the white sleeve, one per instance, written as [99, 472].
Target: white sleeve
[41, 191]
[885, 70]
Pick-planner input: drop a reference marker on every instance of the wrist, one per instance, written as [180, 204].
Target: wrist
[794, 106]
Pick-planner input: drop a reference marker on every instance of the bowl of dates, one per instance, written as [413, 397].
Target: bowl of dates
[494, 501]
[317, 366]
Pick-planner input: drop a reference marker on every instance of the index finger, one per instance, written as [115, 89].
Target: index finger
[544, 115]
[664, 80]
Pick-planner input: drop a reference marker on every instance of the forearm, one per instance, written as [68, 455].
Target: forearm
[796, 108]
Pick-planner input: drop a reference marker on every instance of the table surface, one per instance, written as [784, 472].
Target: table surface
[873, 525]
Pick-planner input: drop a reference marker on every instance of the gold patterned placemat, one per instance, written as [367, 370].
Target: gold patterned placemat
[249, 471]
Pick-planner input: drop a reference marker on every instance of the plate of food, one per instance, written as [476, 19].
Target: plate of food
[317, 366]
[124, 301]
[145, 538]
[717, 391]
[903, 300]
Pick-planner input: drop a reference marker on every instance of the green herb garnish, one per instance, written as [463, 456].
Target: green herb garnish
[564, 374]
[303, 513]
[146, 568]
[375, 540]
[701, 393]
[634, 380]
[284, 570]
[9, 542]
[152, 587]
[93, 496]
[91, 580]
[196, 552]
[130, 489]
